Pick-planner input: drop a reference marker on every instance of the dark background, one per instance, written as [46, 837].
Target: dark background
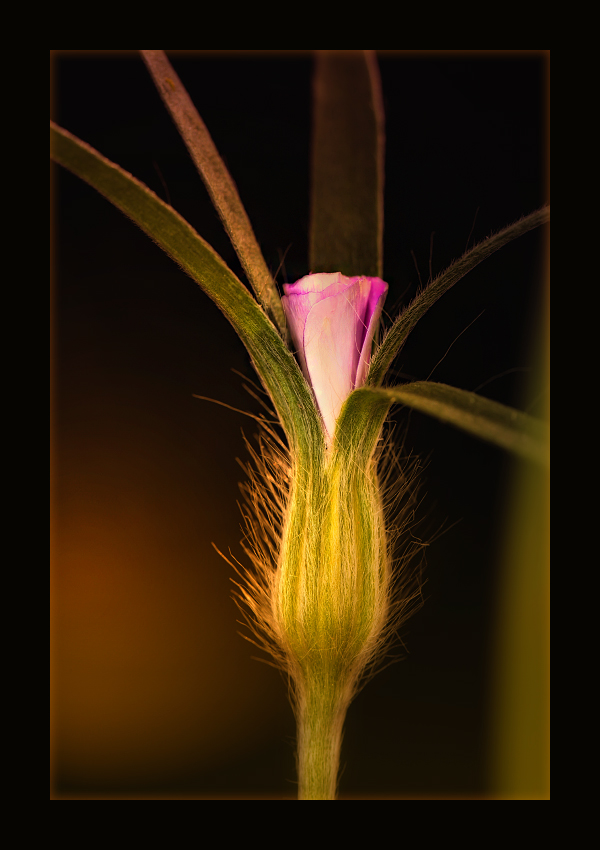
[154, 692]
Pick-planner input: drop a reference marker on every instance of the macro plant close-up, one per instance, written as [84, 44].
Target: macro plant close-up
[371, 230]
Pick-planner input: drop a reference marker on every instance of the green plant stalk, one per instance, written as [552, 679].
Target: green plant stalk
[331, 602]
[332, 590]
[320, 719]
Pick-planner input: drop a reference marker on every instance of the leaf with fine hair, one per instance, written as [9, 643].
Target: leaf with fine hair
[489, 420]
[218, 181]
[346, 216]
[272, 360]
[398, 333]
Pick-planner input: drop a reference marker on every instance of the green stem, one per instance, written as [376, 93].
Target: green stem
[321, 711]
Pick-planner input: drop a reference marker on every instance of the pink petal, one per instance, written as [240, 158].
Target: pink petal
[377, 294]
[299, 300]
[332, 319]
[313, 283]
[332, 347]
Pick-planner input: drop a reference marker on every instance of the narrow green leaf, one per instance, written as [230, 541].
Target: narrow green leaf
[510, 429]
[346, 218]
[218, 181]
[358, 426]
[272, 360]
[398, 333]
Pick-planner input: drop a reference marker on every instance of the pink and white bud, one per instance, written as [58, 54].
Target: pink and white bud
[332, 320]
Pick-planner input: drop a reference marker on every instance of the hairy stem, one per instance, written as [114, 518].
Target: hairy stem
[320, 715]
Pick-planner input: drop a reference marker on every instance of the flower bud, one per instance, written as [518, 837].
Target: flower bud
[332, 589]
[332, 320]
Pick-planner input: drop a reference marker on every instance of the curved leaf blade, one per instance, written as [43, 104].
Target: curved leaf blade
[219, 183]
[398, 333]
[274, 363]
[346, 218]
[359, 424]
[510, 429]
